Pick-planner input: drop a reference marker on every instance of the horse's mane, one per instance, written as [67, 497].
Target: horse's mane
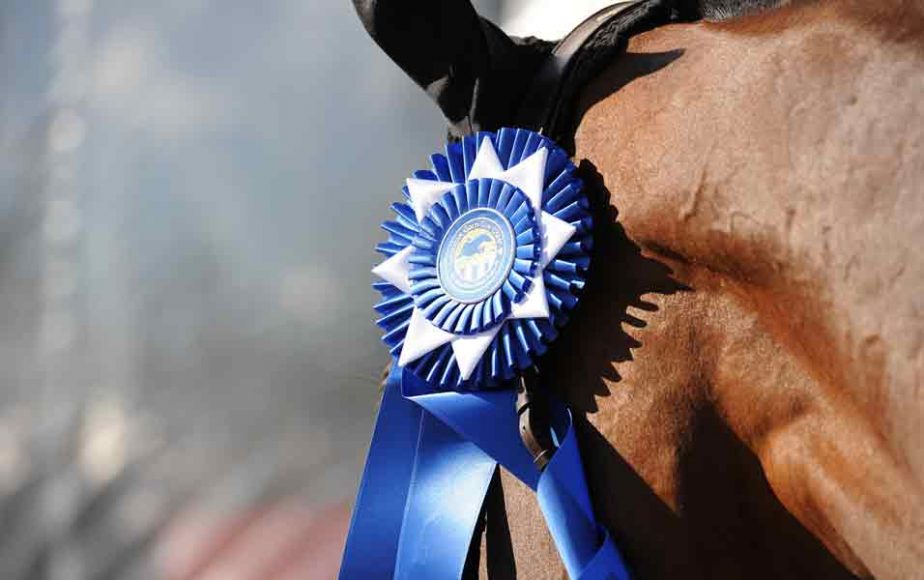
[726, 9]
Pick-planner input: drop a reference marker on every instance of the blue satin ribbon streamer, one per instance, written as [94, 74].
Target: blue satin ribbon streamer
[427, 473]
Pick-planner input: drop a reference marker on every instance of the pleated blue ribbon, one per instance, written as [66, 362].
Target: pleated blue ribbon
[432, 457]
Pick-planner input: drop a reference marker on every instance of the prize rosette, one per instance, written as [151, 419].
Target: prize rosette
[485, 258]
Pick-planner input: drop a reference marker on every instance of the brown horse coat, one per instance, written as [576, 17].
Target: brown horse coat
[749, 350]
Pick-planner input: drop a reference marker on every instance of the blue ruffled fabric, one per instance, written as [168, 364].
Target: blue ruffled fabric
[519, 341]
[440, 308]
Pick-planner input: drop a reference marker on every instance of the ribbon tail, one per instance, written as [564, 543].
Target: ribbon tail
[375, 529]
[585, 546]
[420, 496]
[449, 486]
[489, 420]
[486, 418]
[427, 474]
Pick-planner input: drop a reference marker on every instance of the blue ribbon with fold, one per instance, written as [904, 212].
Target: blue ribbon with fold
[429, 466]
[486, 256]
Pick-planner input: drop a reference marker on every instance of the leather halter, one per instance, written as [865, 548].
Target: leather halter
[581, 55]
[542, 103]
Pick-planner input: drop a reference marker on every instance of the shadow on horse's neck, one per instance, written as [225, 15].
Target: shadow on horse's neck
[724, 497]
[722, 490]
[620, 275]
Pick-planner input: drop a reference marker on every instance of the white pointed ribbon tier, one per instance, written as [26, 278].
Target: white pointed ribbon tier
[422, 335]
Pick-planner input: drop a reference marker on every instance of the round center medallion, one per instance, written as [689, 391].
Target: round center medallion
[476, 255]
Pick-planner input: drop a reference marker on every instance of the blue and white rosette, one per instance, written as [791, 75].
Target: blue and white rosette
[484, 259]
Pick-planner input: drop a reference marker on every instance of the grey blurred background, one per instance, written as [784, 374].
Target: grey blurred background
[190, 193]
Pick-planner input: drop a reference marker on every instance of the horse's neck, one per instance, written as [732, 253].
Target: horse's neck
[775, 163]
[789, 162]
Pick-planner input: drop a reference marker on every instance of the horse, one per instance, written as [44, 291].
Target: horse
[746, 362]
[476, 253]
[748, 354]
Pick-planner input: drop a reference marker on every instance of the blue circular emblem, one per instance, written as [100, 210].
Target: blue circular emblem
[476, 255]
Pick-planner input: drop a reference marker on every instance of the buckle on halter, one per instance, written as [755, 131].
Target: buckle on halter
[535, 419]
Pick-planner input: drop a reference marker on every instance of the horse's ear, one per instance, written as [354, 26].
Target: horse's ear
[474, 72]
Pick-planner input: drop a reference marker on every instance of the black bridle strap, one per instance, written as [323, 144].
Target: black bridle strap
[542, 100]
[548, 106]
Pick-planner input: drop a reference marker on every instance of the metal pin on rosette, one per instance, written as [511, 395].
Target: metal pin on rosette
[485, 258]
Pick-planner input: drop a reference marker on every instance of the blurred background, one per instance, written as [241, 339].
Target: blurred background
[190, 194]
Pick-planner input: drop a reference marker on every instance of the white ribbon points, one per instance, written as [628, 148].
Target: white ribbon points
[422, 335]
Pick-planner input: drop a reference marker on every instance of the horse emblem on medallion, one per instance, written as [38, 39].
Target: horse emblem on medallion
[476, 255]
